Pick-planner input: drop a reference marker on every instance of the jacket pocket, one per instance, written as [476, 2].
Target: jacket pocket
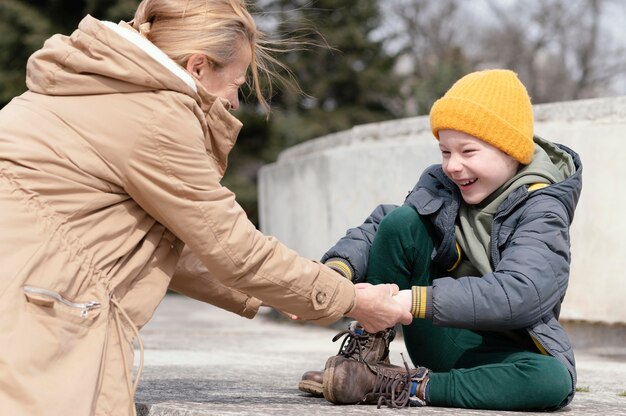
[424, 201]
[52, 351]
[551, 336]
[52, 304]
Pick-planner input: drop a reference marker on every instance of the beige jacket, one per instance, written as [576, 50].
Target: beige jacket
[109, 165]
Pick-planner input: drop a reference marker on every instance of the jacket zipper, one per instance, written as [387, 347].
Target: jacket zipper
[495, 254]
[538, 341]
[84, 307]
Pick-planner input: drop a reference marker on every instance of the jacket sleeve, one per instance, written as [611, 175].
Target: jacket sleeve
[175, 178]
[193, 279]
[528, 283]
[353, 249]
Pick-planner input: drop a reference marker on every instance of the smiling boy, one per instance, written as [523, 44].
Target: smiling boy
[477, 168]
[480, 251]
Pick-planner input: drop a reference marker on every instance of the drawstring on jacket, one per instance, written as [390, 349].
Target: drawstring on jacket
[131, 386]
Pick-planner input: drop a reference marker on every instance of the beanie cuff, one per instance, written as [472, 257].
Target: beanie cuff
[453, 113]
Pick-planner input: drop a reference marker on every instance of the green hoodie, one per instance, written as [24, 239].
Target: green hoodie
[473, 226]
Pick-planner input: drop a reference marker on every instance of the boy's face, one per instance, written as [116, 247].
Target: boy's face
[476, 167]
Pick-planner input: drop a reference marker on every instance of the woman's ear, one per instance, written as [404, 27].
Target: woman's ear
[196, 64]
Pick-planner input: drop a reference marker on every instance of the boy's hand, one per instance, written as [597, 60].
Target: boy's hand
[405, 299]
[376, 308]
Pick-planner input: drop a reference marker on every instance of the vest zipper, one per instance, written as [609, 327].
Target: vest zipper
[84, 307]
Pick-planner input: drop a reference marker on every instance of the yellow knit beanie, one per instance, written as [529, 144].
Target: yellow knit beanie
[491, 105]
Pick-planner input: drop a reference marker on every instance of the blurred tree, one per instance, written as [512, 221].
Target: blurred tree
[429, 37]
[26, 24]
[561, 49]
[347, 79]
[364, 61]
[23, 30]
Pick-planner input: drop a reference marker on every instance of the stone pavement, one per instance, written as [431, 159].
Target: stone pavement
[200, 360]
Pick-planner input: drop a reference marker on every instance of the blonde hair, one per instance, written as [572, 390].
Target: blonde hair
[214, 28]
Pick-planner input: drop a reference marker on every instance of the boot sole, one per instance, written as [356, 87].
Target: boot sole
[327, 384]
[311, 387]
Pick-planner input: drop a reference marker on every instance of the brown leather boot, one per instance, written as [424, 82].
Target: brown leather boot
[349, 381]
[311, 383]
[357, 344]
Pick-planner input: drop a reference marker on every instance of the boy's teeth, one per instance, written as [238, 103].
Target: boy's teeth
[468, 182]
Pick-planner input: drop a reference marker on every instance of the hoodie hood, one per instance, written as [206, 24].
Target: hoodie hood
[555, 165]
[549, 165]
[569, 164]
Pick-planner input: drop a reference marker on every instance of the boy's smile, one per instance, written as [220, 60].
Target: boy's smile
[476, 167]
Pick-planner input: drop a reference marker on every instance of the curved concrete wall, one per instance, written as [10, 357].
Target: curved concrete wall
[318, 189]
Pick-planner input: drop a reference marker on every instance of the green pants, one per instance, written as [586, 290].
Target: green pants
[471, 369]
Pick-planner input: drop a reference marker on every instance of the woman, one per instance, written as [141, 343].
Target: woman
[110, 163]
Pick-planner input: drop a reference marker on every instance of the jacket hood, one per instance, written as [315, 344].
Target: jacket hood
[568, 162]
[106, 58]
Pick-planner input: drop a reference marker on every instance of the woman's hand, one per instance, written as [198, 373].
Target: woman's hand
[377, 309]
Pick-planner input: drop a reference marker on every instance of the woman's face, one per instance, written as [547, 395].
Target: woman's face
[222, 82]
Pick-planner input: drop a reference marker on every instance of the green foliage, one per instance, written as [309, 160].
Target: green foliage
[23, 30]
[346, 80]
[26, 24]
[343, 70]
[431, 86]
[582, 389]
[344, 75]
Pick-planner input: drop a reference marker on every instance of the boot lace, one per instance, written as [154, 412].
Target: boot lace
[394, 390]
[353, 343]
